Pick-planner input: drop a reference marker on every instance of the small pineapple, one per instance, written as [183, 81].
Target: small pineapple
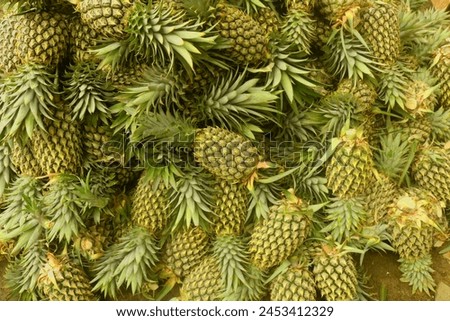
[350, 169]
[417, 272]
[268, 20]
[276, 237]
[227, 155]
[62, 279]
[150, 203]
[335, 273]
[82, 38]
[204, 283]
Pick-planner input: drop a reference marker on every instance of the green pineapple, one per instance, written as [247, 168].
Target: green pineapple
[268, 19]
[62, 279]
[248, 39]
[8, 40]
[335, 273]
[225, 154]
[276, 237]
[417, 272]
[108, 18]
[24, 160]
[350, 169]
[441, 70]
[381, 29]
[230, 210]
[58, 149]
[295, 282]
[413, 220]
[204, 283]
[431, 171]
[184, 251]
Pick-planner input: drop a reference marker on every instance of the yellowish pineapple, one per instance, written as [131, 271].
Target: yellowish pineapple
[276, 237]
[204, 283]
[335, 273]
[230, 209]
[350, 169]
[225, 154]
[61, 279]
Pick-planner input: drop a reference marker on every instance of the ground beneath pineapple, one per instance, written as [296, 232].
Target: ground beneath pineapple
[381, 269]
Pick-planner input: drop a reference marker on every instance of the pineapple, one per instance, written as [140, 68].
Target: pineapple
[204, 283]
[184, 251]
[276, 237]
[8, 41]
[107, 18]
[441, 70]
[335, 273]
[230, 209]
[58, 149]
[381, 29]
[413, 221]
[150, 203]
[24, 160]
[62, 279]
[417, 273]
[248, 39]
[299, 25]
[225, 154]
[431, 171]
[350, 169]
[295, 282]
[82, 38]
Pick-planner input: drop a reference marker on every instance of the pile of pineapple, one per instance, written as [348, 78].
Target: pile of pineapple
[221, 150]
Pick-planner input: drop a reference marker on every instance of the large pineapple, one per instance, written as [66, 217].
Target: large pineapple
[62, 279]
[335, 273]
[350, 169]
[276, 237]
